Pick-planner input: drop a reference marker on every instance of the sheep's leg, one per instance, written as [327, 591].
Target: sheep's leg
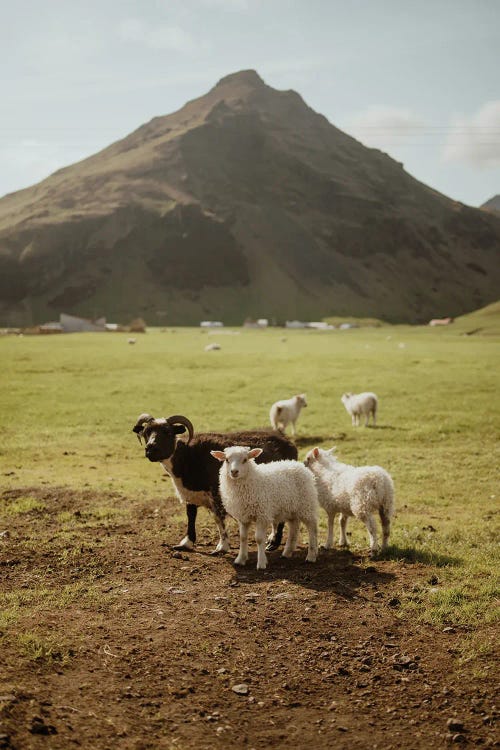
[374, 417]
[312, 552]
[291, 542]
[329, 538]
[386, 527]
[293, 428]
[275, 538]
[353, 420]
[343, 526]
[367, 419]
[260, 538]
[220, 516]
[189, 540]
[372, 533]
[243, 553]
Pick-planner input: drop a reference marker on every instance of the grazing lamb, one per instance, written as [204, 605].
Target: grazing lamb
[358, 404]
[352, 491]
[268, 494]
[194, 472]
[287, 411]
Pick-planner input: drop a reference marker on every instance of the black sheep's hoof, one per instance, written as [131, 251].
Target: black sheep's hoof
[272, 545]
[184, 546]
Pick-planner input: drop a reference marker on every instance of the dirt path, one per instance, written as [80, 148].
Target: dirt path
[150, 653]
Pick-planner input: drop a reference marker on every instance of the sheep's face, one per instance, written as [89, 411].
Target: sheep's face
[301, 400]
[324, 457]
[236, 460]
[160, 439]
[345, 398]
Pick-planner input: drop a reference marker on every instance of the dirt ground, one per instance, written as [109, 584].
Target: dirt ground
[150, 656]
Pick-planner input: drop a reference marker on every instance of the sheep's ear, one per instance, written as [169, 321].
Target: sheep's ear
[332, 449]
[219, 455]
[316, 452]
[254, 453]
[179, 429]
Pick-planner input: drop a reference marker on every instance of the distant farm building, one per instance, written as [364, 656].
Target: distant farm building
[440, 321]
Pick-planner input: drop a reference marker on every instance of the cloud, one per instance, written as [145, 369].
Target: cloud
[161, 36]
[382, 127]
[475, 140]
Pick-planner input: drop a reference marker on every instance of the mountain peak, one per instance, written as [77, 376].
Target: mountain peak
[247, 77]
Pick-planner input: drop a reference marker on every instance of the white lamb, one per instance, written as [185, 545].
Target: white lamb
[352, 491]
[287, 411]
[268, 494]
[358, 404]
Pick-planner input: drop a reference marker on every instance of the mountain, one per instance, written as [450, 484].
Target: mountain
[493, 204]
[245, 202]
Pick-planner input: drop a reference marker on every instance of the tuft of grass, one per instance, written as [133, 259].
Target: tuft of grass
[24, 505]
[43, 650]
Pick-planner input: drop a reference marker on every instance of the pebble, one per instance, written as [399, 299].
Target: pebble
[240, 689]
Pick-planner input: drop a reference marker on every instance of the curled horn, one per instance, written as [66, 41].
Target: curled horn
[142, 420]
[179, 419]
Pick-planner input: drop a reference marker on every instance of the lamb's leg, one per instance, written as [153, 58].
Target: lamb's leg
[312, 552]
[275, 538]
[220, 519]
[329, 538]
[353, 420]
[291, 542]
[386, 527]
[243, 553]
[374, 416]
[260, 538]
[293, 428]
[372, 533]
[343, 526]
[189, 540]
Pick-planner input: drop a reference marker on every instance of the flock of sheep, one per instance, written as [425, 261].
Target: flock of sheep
[255, 477]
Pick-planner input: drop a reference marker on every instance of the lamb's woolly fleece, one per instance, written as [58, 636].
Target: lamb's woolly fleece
[352, 490]
[279, 491]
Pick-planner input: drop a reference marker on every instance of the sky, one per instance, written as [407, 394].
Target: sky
[420, 81]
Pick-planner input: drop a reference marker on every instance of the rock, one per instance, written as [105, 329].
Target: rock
[455, 725]
[240, 689]
[458, 738]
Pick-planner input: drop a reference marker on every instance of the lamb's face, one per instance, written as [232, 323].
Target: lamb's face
[236, 460]
[319, 455]
[160, 439]
[301, 400]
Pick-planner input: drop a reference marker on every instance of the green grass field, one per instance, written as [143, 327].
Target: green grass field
[68, 404]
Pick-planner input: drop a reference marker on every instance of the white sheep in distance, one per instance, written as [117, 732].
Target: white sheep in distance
[267, 494]
[359, 491]
[287, 411]
[358, 404]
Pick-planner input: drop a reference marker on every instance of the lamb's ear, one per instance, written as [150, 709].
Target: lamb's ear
[255, 452]
[219, 455]
[332, 449]
[316, 452]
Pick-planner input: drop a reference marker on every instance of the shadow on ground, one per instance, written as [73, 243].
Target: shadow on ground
[413, 555]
